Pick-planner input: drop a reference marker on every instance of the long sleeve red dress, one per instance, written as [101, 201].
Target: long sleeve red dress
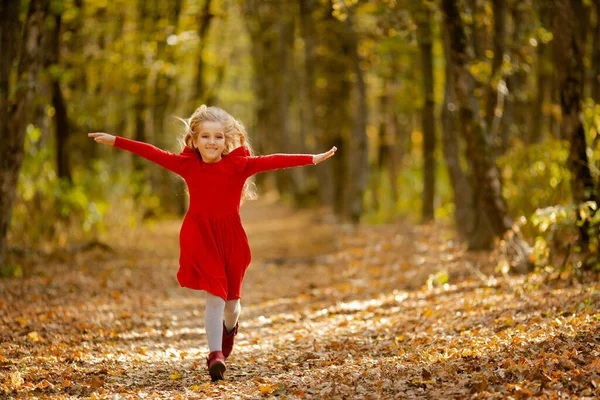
[214, 252]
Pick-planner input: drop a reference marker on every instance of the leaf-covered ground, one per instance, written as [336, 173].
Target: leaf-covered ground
[329, 312]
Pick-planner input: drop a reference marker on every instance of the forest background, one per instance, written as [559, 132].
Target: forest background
[450, 248]
[480, 113]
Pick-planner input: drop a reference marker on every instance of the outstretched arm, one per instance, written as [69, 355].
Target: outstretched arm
[167, 160]
[278, 161]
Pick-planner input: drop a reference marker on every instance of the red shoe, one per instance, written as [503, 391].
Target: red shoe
[216, 365]
[228, 339]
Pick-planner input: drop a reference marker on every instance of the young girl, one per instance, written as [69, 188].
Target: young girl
[214, 253]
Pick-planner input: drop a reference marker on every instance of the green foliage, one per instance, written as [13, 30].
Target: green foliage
[557, 243]
[410, 192]
[591, 121]
[535, 176]
[536, 183]
[50, 212]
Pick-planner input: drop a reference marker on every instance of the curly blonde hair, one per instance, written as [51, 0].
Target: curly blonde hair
[234, 131]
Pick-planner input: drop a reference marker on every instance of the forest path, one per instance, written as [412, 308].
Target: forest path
[396, 311]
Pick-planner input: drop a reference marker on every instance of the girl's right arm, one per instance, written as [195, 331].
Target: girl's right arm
[167, 160]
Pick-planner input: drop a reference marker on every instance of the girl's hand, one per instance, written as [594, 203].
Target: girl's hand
[103, 138]
[317, 158]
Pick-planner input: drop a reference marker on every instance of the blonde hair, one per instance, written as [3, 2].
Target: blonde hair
[234, 131]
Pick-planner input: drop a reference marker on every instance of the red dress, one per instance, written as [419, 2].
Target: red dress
[214, 251]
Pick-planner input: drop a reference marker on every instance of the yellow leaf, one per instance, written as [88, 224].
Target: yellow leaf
[266, 388]
[33, 336]
[175, 375]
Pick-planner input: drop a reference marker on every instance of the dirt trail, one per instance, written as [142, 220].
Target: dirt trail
[328, 312]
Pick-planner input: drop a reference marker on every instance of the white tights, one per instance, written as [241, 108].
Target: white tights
[217, 311]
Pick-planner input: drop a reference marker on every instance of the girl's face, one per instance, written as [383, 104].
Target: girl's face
[210, 141]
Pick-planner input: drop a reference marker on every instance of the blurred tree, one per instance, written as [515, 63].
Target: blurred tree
[596, 56]
[266, 23]
[387, 151]
[357, 159]
[568, 57]
[521, 54]
[334, 90]
[162, 86]
[476, 21]
[143, 27]
[495, 92]
[309, 129]
[61, 119]
[485, 173]
[16, 99]
[422, 15]
[543, 75]
[465, 213]
[284, 49]
[201, 94]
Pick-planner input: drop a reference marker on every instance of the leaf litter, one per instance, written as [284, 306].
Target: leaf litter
[329, 312]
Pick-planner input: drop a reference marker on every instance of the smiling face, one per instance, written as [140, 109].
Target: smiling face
[210, 141]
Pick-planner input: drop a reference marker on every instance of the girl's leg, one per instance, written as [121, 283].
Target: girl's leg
[213, 321]
[232, 312]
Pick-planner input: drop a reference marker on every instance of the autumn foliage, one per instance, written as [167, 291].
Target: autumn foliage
[394, 311]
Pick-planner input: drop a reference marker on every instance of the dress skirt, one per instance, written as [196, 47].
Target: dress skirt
[214, 254]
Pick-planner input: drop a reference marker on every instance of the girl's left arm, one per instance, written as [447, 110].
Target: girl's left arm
[277, 161]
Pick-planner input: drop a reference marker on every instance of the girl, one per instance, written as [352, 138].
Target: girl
[214, 253]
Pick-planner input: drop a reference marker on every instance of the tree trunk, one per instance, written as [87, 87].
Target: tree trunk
[424, 37]
[61, 124]
[200, 93]
[139, 100]
[261, 22]
[358, 161]
[518, 88]
[61, 118]
[392, 144]
[466, 214]
[334, 118]
[285, 48]
[485, 173]
[568, 57]
[499, 7]
[162, 99]
[478, 32]
[14, 113]
[543, 76]
[596, 58]
[308, 124]
[389, 142]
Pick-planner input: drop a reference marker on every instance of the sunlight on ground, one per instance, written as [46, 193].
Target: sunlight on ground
[361, 318]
